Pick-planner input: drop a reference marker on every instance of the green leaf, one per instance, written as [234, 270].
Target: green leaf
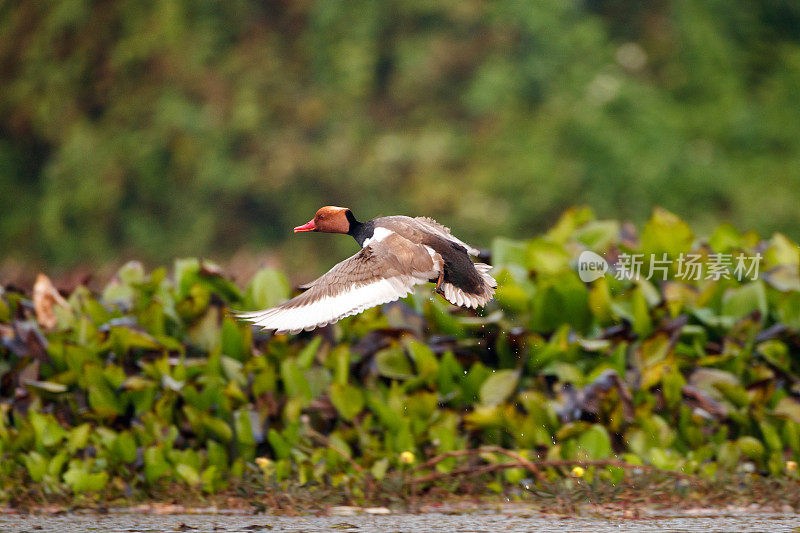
[789, 408]
[56, 464]
[347, 399]
[443, 321]
[666, 233]
[78, 438]
[561, 299]
[471, 382]
[729, 452]
[740, 302]
[190, 273]
[546, 257]
[131, 273]
[782, 251]
[498, 387]
[507, 253]
[572, 219]
[776, 353]
[217, 456]
[279, 445]
[104, 402]
[513, 297]
[264, 381]
[788, 310]
[379, 468]
[393, 363]
[248, 428]
[79, 478]
[294, 381]
[424, 359]
[124, 339]
[596, 443]
[484, 417]
[319, 379]
[206, 332]
[217, 427]
[267, 288]
[598, 235]
[211, 479]
[306, 356]
[125, 447]
[48, 431]
[5, 310]
[785, 278]
[751, 447]
[725, 238]
[341, 361]
[770, 436]
[233, 370]
[36, 464]
[188, 474]
[47, 386]
[137, 383]
[235, 339]
[642, 323]
[155, 465]
[736, 394]
[336, 442]
[664, 459]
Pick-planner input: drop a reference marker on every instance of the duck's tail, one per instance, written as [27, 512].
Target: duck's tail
[474, 299]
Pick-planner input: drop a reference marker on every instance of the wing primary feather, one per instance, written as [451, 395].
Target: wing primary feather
[382, 272]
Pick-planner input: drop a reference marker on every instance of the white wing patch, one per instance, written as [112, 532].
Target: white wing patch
[378, 235]
[438, 262]
[330, 309]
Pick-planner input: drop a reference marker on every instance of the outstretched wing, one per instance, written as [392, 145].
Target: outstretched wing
[382, 272]
[443, 231]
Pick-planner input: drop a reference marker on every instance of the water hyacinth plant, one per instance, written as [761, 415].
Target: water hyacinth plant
[151, 383]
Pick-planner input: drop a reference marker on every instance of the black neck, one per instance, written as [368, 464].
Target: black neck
[360, 231]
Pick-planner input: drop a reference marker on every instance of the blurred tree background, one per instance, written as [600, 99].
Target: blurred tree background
[160, 128]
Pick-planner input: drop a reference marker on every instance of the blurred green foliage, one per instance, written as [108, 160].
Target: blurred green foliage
[164, 128]
[153, 383]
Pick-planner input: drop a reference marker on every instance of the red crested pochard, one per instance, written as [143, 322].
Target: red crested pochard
[397, 253]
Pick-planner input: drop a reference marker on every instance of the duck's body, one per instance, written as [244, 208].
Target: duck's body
[397, 253]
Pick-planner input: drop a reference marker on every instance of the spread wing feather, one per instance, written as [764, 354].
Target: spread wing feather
[380, 273]
[442, 230]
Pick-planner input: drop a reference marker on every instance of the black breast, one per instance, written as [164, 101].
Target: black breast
[361, 231]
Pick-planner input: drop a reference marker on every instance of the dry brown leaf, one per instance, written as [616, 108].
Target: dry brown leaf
[45, 298]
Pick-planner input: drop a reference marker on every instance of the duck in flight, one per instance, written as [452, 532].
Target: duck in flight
[397, 253]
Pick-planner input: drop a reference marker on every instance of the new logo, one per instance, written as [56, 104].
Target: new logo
[591, 266]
